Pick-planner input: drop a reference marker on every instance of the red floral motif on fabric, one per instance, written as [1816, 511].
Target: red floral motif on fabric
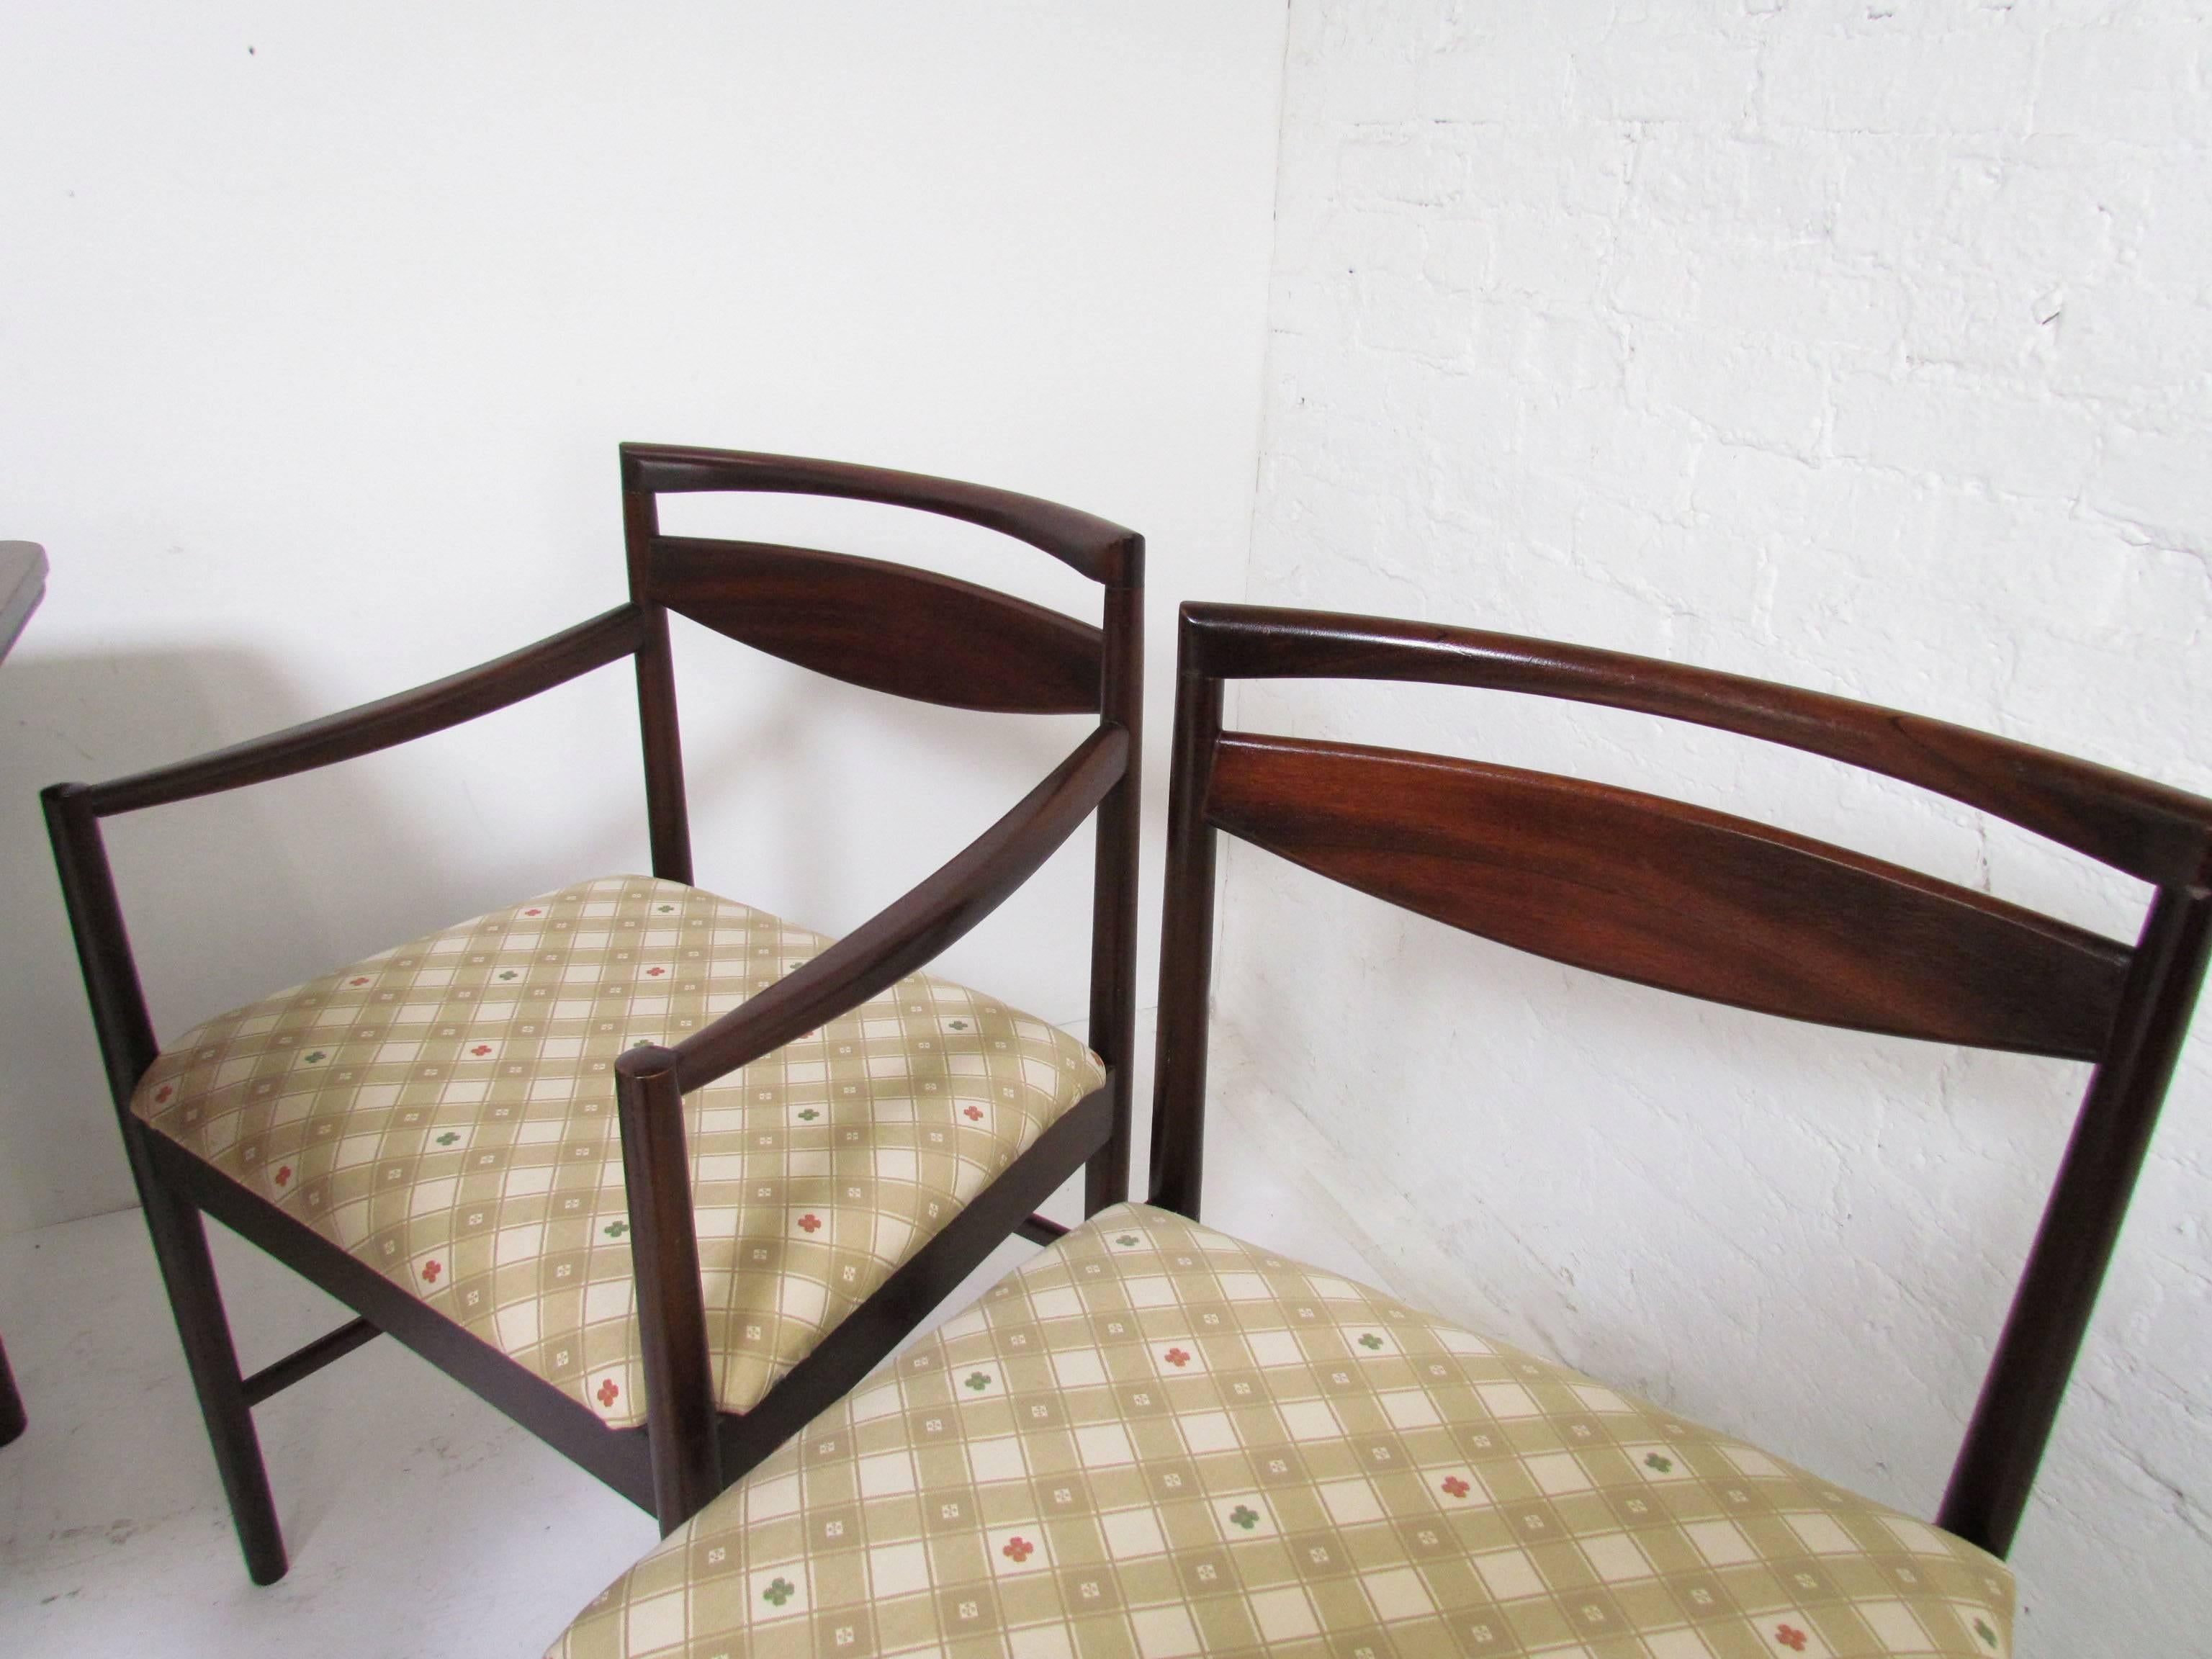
[1790, 1637]
[1456, 1486]
[1019, 1550]
[973, 1114]
[431, 1270]
[284, 1176]
[609, 1393]
[1177, 1358]
[810, 1222]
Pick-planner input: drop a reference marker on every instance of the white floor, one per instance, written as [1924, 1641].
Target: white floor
[420, 1522]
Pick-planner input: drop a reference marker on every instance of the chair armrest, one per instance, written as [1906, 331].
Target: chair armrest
[914, 928]
[650, 1083]
[372, 726]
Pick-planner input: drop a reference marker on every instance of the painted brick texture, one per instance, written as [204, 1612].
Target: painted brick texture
[1867, 347]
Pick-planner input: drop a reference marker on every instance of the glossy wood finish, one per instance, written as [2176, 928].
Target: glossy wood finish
[1107, 554]
[1113, 1027]
[651, 1083]
[453, 701]
[887, 627]
[304, 1362]
[671, 1311]
[916, 929]
[2019, 1403]
[1178, 1168]
[689, 1447]
[1722, 908]
[1649, 890]
[667, 811]
[2151, 832]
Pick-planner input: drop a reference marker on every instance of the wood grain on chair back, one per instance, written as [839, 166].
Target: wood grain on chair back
[888, 627]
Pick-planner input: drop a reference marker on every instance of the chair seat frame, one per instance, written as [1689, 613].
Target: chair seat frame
[884, 625]
[1668, 894]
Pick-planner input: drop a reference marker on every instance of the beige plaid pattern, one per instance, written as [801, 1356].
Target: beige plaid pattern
[445, 1112]
[1154, 1440]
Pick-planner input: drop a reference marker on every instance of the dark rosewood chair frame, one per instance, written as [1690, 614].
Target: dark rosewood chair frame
[1669, 895]
[883, 625]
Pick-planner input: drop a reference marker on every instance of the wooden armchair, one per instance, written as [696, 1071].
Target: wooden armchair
[1156, 1439]
[815, 1142]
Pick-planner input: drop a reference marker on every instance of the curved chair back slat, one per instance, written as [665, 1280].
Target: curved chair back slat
[888, 627]
[1671, 896]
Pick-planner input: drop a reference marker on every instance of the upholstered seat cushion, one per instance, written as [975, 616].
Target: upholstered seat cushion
[1155, 1440]
[445, 1112]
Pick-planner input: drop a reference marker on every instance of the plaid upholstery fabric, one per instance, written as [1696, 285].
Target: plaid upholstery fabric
[1154, 1440]
[445, 1112]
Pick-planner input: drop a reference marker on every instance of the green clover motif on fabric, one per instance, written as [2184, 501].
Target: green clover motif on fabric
[1982, 1629]
[664, 908]
[616, 1229]
[1370, 1342]
[1126, 1240]
[1244, 1518]
[779, 1591]
[808, 1116]
[317, 1058]
[959, 1025]
[1664, 1465]
[449, 1137]
[978, 1381]
[508, 973]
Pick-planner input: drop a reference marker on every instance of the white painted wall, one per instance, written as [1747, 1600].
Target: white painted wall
[1862, 346]
[318, 327]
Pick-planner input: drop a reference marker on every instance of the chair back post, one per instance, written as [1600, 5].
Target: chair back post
[671, 1311]
[667, 814]
[1186, 939]
[2081, 1226]
[1113, 1017]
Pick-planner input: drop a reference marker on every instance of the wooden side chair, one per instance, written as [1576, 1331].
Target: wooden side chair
[1156, 1439]
[658, 1174]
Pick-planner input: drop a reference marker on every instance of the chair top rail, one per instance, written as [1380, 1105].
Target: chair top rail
[914, 929]
[363, 729]
[2150, 831]
[1102, 550]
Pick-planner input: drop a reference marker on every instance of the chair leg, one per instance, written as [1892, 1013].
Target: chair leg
[180, 1246]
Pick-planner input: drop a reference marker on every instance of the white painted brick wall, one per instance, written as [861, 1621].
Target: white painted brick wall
[1863, 346]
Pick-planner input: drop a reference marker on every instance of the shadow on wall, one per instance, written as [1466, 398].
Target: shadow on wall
[198, 894]
[228, 896]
